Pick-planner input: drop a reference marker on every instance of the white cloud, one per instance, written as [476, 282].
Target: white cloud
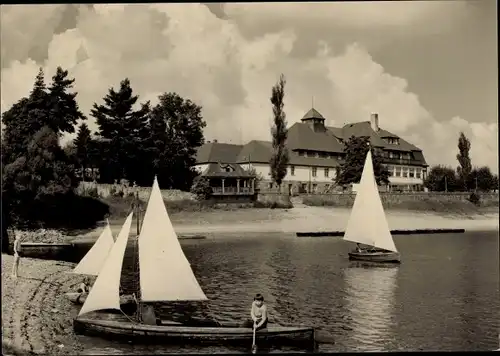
[186, 49]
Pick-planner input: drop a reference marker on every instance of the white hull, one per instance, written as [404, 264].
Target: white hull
[375, 256]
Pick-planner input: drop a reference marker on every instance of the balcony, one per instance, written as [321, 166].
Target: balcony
[232, 191]
[401, 161]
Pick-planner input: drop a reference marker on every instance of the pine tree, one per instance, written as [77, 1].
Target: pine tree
[82, 144]
[280, 158]
[126, 132]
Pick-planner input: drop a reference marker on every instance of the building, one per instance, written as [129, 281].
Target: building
[316, 152]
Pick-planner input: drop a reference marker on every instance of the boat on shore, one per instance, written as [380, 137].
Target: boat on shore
[91, 264]
[165, 275]
[367, 225]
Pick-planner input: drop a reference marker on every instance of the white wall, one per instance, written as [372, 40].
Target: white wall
[301, 174]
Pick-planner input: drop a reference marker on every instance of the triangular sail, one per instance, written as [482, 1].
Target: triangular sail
[367, 223]
[105, 294]
[93, 261]
[165, 272]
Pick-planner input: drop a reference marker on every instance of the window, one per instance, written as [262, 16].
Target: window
[418, 173]
[292, 170]
[327, 172]
[314, 171]
[411, 173]
[270, 185]
[304, 187]
[405, 172]
[397, 171]
[390, 169]
[301, 153]
[391, 155]
[315, 186]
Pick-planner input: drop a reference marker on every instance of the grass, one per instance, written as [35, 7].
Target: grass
[429, 205]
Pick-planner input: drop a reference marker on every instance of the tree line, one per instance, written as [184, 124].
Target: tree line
[465, 178]
[133, 141]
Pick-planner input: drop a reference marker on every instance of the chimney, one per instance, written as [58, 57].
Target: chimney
[374, 122]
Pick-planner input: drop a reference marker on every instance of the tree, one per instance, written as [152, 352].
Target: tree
[82, 144]
[279, 132]
[33, 184]
[63, 106]
[125, 132]
[201, 188]
[351, 168]
[442, 178]
[465, 167]
[176, 131]
[481, 179]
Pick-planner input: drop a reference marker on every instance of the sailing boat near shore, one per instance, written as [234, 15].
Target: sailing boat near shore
[165, 275]
[92, 262]
[367, 223]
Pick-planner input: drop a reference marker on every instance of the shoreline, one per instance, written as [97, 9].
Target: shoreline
[36, 316]
[299, 219]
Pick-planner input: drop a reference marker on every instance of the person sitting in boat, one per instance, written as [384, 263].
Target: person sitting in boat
[258, 312]
[84, 288]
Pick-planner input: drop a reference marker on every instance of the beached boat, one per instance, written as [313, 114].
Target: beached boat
[91, 264]
[164, 275]
[367, 223]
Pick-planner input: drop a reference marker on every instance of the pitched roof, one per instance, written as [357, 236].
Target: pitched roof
[364, 129]
[226, 170]
[313, 114]
[302, 136]
[214, 152]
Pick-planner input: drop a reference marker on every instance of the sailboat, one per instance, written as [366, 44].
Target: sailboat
[91, 264]
[165, 275]
[367, 223]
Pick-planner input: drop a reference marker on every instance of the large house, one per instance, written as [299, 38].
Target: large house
[316, 152]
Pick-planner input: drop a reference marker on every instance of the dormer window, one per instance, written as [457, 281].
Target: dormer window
[226, 168]
[392, 140]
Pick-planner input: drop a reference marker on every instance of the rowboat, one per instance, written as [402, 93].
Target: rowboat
[367, 223]
[165, 275]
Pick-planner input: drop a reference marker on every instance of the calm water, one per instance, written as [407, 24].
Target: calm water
[444, 295]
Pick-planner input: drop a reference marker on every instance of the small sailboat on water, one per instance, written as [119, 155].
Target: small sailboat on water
[165, 275]
[91, 264]
[367, 223]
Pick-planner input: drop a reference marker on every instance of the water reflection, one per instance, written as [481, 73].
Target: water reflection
[369, 297]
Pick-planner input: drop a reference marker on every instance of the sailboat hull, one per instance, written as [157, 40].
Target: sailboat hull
[173, 332]
[375, 256]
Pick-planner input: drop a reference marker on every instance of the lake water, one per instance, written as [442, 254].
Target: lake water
[444, 295]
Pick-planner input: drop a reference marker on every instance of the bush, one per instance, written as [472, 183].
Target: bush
[201, 188]
[475, 199]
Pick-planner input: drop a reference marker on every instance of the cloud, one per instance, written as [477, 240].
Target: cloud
[187, 49]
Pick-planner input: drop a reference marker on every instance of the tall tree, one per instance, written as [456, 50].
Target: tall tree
[176, 131]
[82, 144]
[126, 133]
[465, 167]
[442, 178]
[481, 179]
[64, 109]
[279, 132]
[351, 168]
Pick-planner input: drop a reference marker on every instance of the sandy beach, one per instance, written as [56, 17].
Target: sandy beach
[216, 224]
[36, 317]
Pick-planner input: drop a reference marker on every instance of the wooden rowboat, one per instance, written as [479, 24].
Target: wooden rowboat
[80, 298]
[169, 332]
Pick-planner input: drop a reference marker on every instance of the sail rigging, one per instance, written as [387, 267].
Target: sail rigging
[367, 223]
[105, 294]
[93, 261]
[165, 273]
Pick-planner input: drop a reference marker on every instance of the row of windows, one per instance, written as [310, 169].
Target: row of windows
[394, 171]
[383, 153]
[406, 172]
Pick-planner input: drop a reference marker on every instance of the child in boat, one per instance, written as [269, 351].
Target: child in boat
[258, 312]
[17, 248]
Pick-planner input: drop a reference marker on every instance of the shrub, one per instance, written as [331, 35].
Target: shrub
[475, 199]
[201, 188]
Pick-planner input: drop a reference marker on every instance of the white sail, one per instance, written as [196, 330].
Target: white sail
[367, 223]
[165, 272]
[105, 294]
[93, 261]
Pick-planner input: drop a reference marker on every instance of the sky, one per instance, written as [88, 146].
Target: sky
[428, 68]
